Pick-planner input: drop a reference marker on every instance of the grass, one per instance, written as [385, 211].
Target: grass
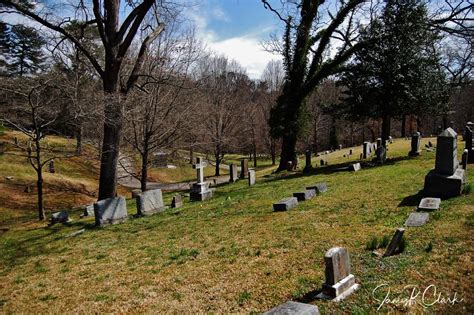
[234, 254]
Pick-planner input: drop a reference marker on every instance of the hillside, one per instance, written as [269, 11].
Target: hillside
[232, 253]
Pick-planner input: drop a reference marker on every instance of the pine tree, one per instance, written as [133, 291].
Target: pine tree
[26, 54]
[398, 73]
[4, 47]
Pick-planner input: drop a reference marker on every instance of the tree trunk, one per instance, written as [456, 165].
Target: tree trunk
[386, 124]
[254, 155]
[218, 162]
[315, 138]
[273, 151]
[144, 171]
[288, 152]
[403, 132]
[79, 131]
[39, 188]
[110, 143]
[191, 156]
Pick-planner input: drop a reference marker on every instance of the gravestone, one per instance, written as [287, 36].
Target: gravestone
[51, 167]
[340, 147]
[244, 168]
[340, 283]
[464, 159]
[469, 141]
[110, 211]
[88, 211]
[150, 202]
[394, 245]
[136, 192]
[319, 187]
[361, 156]
[390, 139]
[307, 166]
[350, 152]
[289, 165]
[200, 191]
[305, 195]
[233, 173]
[159, 159]
[366, 150]
[415, 144]
[355, 167]
[59, 217]
[285, 204]
[381, 155]
[322, 162]
[429, 204]
[293, 308]
[446, 179]
[416, 219]
[251, 177]
[177, 201]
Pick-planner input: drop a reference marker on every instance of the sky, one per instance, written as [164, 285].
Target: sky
[236, 28]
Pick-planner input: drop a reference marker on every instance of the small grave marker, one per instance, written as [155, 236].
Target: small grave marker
[416, 219]
[429, 204]
[233, 173]
[244, 168]
[319, 187]
[177, 201]
[394, 245]
[305, 195]
[293, 308]
[251, 176]
[285, 204]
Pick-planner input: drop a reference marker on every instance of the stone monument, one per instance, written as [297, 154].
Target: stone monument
[200, 191]
[308, 165]
[233, 173]
[446, 179]
[415, 144]
[150, 202]
[244, 168]
[110, 211]
[251, 177]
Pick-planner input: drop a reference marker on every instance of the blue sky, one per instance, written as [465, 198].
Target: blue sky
[235, 28]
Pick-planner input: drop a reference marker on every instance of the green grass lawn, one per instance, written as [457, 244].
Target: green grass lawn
[234, 254]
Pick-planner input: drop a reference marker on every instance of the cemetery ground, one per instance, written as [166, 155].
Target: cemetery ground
[232, 253]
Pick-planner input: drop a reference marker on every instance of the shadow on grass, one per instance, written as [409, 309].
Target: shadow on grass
[310, 296]
[412, 201]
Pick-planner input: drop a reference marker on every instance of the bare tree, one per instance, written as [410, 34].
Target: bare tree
[117, 32]
[36, 109]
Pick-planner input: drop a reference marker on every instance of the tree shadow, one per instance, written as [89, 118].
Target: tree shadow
[412, 201]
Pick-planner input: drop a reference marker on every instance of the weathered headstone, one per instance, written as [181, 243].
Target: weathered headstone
[305, 195]
[446, 179]
[285, 204]
[469, 142]
[251, 177]
[464, 159]
[355, 167]
[415, 144]
[200, 191]
[417, 219]
[319, 187]
[293, 308]
[365, 150]
[429, 204]
[60, 217]
[381, 154]
[233, 173]
[244, 168]
[110, 211]
[88, 211]
[308, 165]
[51, 167]
[177, 201]
[150, 202]
[394, 245]
[340, 283]
[322, 162]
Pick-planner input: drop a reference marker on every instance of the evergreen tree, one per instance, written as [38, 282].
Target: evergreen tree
[398, 73]
[4, 47]
[26, 55]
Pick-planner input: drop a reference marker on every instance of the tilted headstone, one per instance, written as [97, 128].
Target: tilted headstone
[51, 167]
[429, 204]
[293, 308]
[319, 187]
[305, 195]
[340, 283]
[446, 180]
[355, 167]
[200, 191]
[285, 204]
[469, 142]
[150, 202]
[110, 211]
[233, 173]
[251, 177]
[244, 168]
[60, 217]
[177, 201]
[308, 165]
[394, 245]
[415, 144]
[416, 219]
